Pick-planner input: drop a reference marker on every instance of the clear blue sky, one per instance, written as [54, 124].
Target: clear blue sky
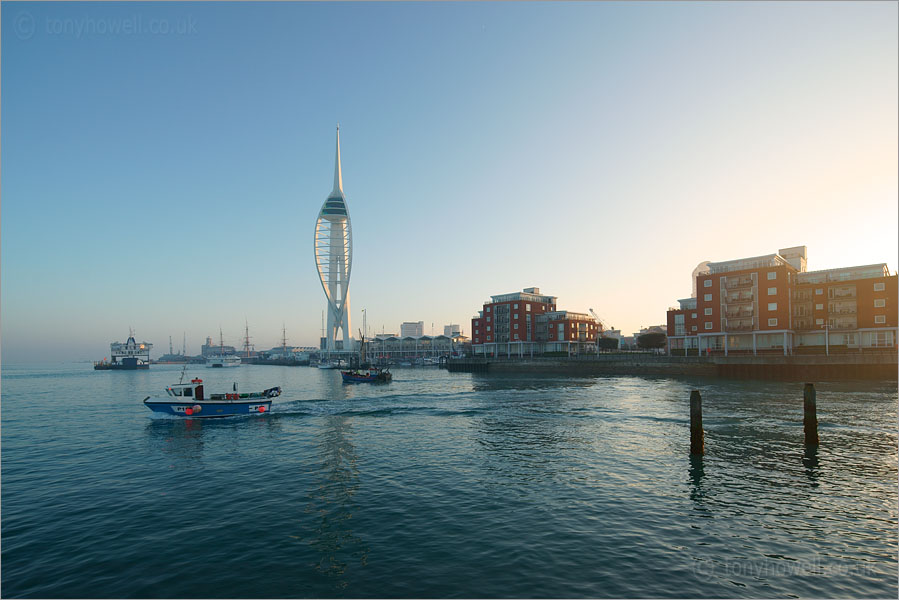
[599, 151]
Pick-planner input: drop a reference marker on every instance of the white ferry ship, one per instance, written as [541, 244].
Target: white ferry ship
[128, 356]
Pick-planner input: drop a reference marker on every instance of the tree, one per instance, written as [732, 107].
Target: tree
[651, 341]
[608, 343]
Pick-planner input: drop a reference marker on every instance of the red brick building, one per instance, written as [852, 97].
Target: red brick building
[527, 322]
[771, 303]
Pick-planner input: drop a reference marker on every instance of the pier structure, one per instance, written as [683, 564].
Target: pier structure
[334, 261]
[869, 365]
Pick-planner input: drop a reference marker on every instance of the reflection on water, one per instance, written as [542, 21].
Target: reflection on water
[182, 438]
[810, 460]
[186, 438]
[337, 475]
[485, 382]
[697, 472]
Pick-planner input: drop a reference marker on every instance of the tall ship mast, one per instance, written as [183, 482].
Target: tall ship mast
[246, 339]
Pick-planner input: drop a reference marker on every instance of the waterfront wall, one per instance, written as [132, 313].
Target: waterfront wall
[883, 366]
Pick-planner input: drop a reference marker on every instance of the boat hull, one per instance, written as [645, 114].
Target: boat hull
[120, 366]
[219, 364]
[350, 377]
[210, 409]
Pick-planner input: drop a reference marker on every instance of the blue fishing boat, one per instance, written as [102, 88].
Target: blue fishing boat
[369, 375]
[190, 400]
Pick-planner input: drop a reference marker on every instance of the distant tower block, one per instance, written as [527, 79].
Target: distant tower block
[334, 259]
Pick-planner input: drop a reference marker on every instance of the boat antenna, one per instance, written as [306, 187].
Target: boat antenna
[183, 370]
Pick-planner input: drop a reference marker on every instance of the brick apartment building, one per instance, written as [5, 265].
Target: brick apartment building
[767, 304]
[528, 323]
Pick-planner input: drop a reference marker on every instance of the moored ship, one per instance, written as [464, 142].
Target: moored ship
[221, 359]
[126, 357]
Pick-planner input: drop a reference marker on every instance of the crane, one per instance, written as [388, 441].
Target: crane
[602, 324]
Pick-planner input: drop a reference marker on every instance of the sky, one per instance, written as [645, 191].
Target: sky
[163, 164]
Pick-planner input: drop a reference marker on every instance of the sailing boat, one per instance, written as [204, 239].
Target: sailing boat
[222, 360]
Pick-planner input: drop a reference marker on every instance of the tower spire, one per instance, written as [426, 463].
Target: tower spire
[338, 176]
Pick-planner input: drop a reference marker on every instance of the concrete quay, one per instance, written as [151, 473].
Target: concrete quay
[879, 366]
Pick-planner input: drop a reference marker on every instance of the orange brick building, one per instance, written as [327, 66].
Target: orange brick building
[770, 303]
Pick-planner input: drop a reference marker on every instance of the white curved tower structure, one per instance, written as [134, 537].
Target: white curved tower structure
[334, 259]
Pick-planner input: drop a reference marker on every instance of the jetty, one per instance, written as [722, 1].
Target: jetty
[879, 366]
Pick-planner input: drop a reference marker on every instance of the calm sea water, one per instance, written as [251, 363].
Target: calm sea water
[450, 485]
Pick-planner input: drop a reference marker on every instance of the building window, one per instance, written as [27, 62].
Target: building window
[878, 287]
[819, 307]
[879, 303]
[488, 309]
[488, 328]
[772, 322]
[772, 291]
[693, 328]
[880, 318]
[819, 321]
[708, 325]
[516, 327]
[488, 338]
[516, 336]
[488, 319]
[707, 297]
[515, 306]
[693, 316]
[819, 291]
[514, 315]
[772, 306]
[707, 283]
[477, 331]
[772, 275]
[708, 311]
[527, 307]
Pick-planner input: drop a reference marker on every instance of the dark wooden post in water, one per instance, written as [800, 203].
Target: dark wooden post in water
[810, 414]
[697, 442]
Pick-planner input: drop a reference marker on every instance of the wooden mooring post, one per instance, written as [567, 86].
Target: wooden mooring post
[810, 414]
[697, 441]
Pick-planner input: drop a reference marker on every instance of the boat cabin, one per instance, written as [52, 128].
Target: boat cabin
[194, 389]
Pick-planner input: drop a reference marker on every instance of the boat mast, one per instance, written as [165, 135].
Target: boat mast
[246, 341]
[221, 342]
[283, 339]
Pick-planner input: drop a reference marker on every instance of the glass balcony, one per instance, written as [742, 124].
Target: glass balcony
[738, 325]
[735, 283]
[739, 298]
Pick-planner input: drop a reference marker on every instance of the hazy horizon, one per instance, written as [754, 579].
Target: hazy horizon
[170, 182]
